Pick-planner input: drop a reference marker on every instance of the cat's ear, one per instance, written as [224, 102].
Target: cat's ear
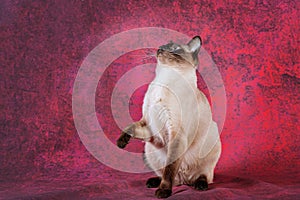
[195, 44]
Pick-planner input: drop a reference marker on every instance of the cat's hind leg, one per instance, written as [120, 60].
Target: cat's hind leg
[207, 168]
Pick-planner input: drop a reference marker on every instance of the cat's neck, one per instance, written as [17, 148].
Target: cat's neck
[175, 75]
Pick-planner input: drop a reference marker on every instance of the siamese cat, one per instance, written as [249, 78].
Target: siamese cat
[182, 143]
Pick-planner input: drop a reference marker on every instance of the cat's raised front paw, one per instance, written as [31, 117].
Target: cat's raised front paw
[123, 140]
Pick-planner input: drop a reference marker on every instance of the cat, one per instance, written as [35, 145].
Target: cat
[182, 143]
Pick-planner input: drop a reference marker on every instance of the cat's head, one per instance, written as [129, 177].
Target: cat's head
[173, 54]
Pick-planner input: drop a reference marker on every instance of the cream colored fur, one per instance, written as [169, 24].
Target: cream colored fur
[182, 140]
[173, 103]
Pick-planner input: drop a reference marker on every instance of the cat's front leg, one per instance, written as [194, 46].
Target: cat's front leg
[138, 130]
[165, 188]
[176, 147]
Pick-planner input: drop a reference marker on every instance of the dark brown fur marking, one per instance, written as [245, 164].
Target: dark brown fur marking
[142, 123]
[153, 182]
[201, 183]
[123, 140]
[125, 136]
[163, 193]
[165, 187]
[156, 141]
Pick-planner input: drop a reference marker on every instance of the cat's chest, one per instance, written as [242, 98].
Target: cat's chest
[165, 102]
[171, 93]
[158, 98]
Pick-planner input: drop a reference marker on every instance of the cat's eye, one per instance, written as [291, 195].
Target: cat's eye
[178, 50]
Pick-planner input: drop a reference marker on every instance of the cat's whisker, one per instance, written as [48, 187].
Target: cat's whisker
[143, 57]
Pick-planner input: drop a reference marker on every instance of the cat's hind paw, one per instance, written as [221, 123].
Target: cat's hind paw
[153, 182]
[201, 183]
[163, 193]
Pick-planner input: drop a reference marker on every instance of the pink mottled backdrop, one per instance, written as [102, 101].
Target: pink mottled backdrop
[254, 44]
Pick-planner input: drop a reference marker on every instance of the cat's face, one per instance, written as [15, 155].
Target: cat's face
[173, 54]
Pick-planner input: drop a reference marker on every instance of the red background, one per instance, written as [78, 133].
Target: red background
[255, 45]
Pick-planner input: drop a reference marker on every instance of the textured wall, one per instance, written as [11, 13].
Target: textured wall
[255, 45]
